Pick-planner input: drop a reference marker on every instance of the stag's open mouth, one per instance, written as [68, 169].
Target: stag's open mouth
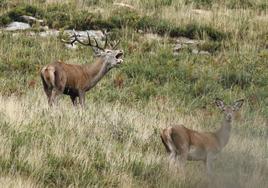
[120, 54]
[118, 57]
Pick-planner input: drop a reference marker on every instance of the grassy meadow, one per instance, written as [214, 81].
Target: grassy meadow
[114, 141]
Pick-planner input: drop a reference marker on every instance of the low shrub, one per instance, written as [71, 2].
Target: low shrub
[194, 30]
[210, 46]
[232, 76]
[29, 10]
[4, 20]
[58, 16]
[82, 20]
[200, 3]
[240, 4]
[154, 4]
[124, 17]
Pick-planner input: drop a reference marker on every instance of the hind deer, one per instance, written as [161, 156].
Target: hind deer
[75, 80]
[185, 144]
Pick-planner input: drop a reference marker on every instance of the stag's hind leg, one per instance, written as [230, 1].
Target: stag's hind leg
[54, 93]
[47, 89]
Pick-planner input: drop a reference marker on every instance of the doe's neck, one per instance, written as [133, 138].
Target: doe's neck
[223, 133]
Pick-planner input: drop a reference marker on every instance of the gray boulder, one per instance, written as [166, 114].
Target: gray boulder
[14, 26]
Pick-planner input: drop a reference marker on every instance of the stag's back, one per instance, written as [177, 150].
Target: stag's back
[61, 75]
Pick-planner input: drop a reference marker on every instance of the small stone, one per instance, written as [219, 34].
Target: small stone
[73, 47]
[204, 53]
[177, 47]
[14, 26]
[125, 5]
[175, 53]
[52, 32]
[195, 51]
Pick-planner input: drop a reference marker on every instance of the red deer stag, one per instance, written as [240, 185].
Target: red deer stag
[75, 80]
[186, 144]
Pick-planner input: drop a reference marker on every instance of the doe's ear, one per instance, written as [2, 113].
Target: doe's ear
[219, 103]
[238, 104]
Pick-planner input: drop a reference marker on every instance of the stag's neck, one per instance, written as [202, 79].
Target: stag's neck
[223, 133]
[96, 71]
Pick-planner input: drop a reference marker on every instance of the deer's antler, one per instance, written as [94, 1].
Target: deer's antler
[75, 38]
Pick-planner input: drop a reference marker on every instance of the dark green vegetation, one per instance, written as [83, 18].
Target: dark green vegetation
[65, 16]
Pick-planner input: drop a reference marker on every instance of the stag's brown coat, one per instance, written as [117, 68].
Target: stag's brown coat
[74, 80]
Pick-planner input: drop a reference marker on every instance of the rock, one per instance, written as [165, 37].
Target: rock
[73, 47]
[194, 51]
[204, 53]
[14, 26]
[84, 34]
[44, 28]
[177, 47]
[125, 5]
[184, 40]
[51, 32]
[202, 13]
[175, 53]
[31, 20]
[152, 36]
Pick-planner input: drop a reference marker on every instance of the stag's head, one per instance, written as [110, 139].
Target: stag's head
[108, 54]
[113, 58]
[229, 110]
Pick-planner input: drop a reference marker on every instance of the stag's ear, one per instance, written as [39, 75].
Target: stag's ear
[219, 103]
[238, 104]
[96, 52]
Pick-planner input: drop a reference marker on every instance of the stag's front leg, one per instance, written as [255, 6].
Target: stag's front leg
[48, 94]
[82, 98]
[74, 99]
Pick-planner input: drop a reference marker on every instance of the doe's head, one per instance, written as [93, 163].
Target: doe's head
[229, 110]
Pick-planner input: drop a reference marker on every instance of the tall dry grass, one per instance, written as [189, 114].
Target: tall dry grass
[115, 141]
[109, 144]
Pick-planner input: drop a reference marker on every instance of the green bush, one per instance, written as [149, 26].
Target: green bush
[82, 20]
[154, 4]
[232, 76]
[212, 33]
[200, 3]
[28, 10]
[4, 20]
[16, 13]
[240, 4]
[124, 17]
[210, 46]
[194, 30]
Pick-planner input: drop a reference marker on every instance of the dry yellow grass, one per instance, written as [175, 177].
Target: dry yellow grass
[118, 137]
[117, 144]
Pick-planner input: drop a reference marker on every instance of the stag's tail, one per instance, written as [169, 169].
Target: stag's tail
[48, 76]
